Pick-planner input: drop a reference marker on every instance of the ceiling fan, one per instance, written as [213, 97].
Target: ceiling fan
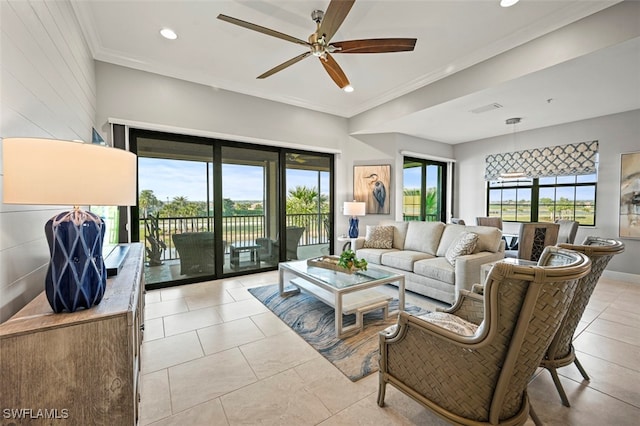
[320, 44]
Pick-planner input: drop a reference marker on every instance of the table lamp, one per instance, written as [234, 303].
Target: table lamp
[354, 209]
[57, 172]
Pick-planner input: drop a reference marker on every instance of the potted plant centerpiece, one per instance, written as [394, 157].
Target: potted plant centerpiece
[349, 261]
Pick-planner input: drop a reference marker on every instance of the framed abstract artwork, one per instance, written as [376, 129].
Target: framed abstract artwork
[630, 195]
[371, 184]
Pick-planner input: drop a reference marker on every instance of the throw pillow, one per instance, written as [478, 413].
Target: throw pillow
[380, 237]
[464, 244]
[451, 322]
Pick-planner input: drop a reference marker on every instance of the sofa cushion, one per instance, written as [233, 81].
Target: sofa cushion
[403, 259]
[399, 232]
[449, 235]
[437, 268]
[489, 238]
[465, 244]
[373, 255]
[451, 322]
[424, 236]
[379, 237]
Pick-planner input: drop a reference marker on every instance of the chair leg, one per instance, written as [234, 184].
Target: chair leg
[382, 387]
[534, 416]
[584, 373]
[556, 380]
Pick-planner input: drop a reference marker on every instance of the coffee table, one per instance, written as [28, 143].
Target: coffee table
[346, 293]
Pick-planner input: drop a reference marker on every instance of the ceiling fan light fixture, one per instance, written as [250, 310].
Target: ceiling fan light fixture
[348, 88]
[508, 3]
[168, 33]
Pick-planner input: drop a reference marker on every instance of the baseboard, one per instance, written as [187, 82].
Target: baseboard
[622, 276]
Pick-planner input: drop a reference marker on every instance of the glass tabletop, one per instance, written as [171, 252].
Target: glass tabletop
[340, 279]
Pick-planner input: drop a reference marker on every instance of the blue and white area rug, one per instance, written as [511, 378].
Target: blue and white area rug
[357, 355]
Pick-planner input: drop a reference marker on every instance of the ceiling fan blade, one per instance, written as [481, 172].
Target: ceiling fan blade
[284, 65]
[334, 16]
[375, 45]
[334, 70]
[262, 30]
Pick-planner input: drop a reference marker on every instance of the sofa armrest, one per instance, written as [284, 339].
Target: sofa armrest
[468, 268]
[357, 243]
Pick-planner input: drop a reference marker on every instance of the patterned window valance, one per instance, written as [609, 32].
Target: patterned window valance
[562, 160]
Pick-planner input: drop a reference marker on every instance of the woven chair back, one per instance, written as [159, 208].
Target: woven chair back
[600, 251]
[534, 237]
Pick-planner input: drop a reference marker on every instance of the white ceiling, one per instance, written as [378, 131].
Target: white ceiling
[452, 35]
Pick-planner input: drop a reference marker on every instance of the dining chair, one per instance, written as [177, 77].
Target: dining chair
[471, 364]
[561, 351]
[496, 222]
[568, 231]
[533, 238]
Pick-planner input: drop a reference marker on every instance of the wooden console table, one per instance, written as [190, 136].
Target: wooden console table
[82, 367]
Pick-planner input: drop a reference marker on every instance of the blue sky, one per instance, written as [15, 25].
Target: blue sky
[171, 178]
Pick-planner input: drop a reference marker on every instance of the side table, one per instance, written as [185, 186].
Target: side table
[347, 242]
[254, 256]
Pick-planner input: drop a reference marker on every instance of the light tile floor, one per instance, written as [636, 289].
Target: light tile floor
[214, 355]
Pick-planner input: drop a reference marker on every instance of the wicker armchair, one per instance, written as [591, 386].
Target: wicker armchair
[561, 352]
[482, 377]
[269, 249]
[196, 252]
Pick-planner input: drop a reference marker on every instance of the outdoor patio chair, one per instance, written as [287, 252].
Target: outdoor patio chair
[196, 252]
[471, 364]
[561, 351]
[269, 249]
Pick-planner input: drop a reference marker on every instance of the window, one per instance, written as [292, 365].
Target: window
[544, 199]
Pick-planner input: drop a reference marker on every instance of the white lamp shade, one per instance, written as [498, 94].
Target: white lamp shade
[56, 172]
[354, 208]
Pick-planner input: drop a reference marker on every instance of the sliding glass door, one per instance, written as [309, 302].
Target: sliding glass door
[209, 208]
[250, 225]
[424, 190]
[175, 209]
[308, 205]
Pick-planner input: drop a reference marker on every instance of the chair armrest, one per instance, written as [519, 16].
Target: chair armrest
[469, 306]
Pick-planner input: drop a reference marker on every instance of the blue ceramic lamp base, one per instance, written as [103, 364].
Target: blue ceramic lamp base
[353, 227]
[77, 276]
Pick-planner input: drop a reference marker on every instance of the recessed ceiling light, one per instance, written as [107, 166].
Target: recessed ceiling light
[168, 33]
[348, 88]
[508, 3]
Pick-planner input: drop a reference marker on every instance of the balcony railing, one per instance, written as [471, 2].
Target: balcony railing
[237, 229]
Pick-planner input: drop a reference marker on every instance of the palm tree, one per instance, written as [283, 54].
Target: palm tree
[303, 199]
[148, 202]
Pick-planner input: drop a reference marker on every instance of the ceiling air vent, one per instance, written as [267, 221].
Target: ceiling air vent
[486, 108]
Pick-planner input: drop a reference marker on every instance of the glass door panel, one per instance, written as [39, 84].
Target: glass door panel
[424, 191]
[175, 210]
[250, 222]
[308, 205]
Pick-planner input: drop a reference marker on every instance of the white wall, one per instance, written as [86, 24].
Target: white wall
[382, 148]
[48, 90]
[616, 134]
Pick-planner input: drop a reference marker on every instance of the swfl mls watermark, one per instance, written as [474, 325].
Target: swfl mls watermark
[35, 413]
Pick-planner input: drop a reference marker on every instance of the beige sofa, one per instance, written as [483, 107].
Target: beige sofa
[418, 252]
